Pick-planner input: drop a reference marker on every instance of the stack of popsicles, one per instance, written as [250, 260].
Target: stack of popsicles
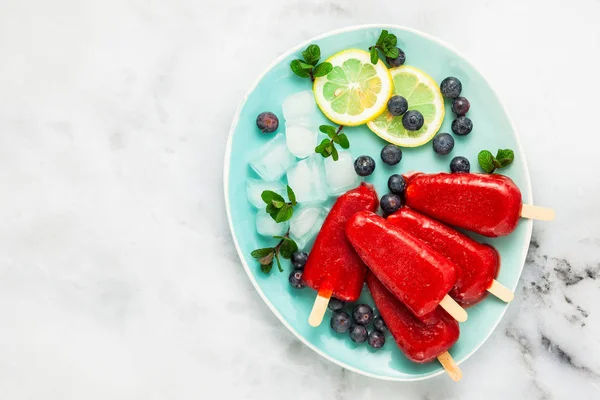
[420, 270]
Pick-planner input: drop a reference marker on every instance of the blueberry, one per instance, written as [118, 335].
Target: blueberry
[335, 304]
[358, 334]
[391, 154]
[462, 126]
[340, 321]
[364, 165]
[451, 87]
[296, 279]
[379, 324]
[362, 314]
[460, 106]
[412, 120]
[397, 105]
[460, 164]
[376, 339]
[397, 184]
[267, 122]
[299, 259]
[390, 203]
[398, 61]
[443, 143]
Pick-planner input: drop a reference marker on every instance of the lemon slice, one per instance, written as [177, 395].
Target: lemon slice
[355, 91]
[422, 94]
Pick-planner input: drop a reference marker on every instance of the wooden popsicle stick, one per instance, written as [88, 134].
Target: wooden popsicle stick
[535, 212]
[318, 311]
[450, 366]
[454, 309]
[501, 291]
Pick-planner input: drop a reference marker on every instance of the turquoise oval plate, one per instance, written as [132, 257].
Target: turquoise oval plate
[493, 129]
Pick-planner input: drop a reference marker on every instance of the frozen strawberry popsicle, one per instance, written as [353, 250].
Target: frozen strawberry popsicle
[421, 341]
[478, 263]
[488, 204]
[416, 274]
[332, 264]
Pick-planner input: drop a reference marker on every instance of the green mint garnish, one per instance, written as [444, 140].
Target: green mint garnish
[327, 147]
[386, 44]
[505, 157]
[309, 66]
[277, 207]
[489, 163]
[284, 248]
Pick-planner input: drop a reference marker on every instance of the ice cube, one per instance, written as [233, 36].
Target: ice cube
[299, 107]
[307, 179]
[301, 139]
[266, 226]
[340, 175]
[306, 223]
[255, 187]
[273, 160]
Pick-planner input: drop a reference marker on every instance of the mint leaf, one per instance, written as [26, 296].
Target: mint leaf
[505, 157]
[374, 55]
[287, 248]
[321, 147]
[278, 204]
[284, 214]
[298, 70]
[271, 209]
[328, 130]
[334, 153]
[322, 69]
[392, 52]
[305, 66]
[505, 153]
[384, 48]
[343, 141]
[278, 263]
[266, 268]
[391, 40]
[267, 259]
[486, 161]
[260, 253]
[268, 196]
[382, 37]
[312, 54]
[291, 195]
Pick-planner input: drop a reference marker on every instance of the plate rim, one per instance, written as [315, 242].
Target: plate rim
[227, 158]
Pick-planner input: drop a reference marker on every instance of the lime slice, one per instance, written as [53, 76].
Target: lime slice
[422, 94]
[355, 91]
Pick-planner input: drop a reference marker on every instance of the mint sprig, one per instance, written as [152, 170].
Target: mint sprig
[308, 66]
[284, 249]
[386, 44]
[489, 163]
[279, 209]
[327, 146]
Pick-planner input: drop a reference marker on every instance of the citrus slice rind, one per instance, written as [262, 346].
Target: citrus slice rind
[423, 94]
[355, 91]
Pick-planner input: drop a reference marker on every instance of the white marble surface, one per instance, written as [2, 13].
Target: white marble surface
[118, 279]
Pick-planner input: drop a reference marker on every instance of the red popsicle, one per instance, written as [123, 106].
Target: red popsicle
[333, 267]
[488, 204]
[421, 341]
[478, 263]
[416, 274]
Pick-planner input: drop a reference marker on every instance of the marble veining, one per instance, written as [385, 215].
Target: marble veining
[118, 278]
